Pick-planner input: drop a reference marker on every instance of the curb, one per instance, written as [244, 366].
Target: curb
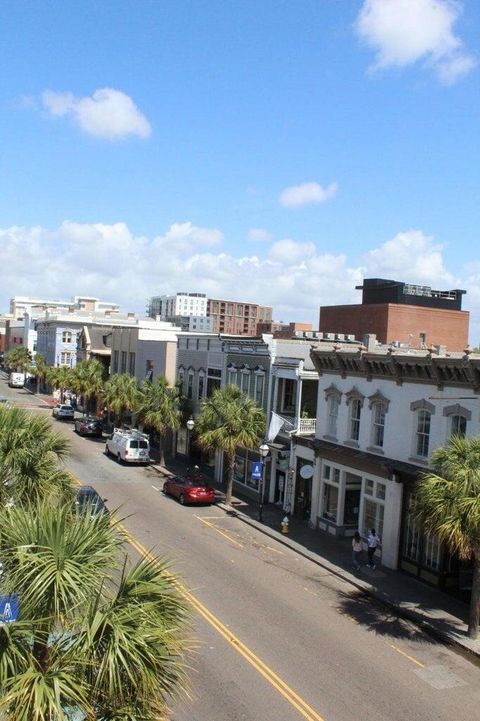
[406, 613]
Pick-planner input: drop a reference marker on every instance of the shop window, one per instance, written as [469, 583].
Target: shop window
[372, 517]
[330, 502]
[422, 435]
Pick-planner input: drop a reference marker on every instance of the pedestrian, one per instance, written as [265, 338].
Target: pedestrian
[356, 550]
[372, 542]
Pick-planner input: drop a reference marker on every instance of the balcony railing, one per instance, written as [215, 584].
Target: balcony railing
[307, 426]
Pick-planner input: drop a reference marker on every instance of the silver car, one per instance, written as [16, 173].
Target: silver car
[64, 412]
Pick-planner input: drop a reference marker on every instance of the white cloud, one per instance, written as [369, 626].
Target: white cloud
[403, 32]
[108, 113]
[307, 194]
[259, 235]
[411, 256]
[111, 262]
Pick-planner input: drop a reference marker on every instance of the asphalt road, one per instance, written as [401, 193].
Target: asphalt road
[279, 638]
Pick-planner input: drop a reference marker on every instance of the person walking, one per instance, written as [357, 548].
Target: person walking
[372, 542]
[356, 550]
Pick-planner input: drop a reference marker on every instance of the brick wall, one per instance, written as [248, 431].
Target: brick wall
[405, 323]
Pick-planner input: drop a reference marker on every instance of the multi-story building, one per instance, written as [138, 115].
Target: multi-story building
[381, 413]
[197, 313]
[20, 305]
[401, 313]
[58, 333]
[144, 348]
[237, 318]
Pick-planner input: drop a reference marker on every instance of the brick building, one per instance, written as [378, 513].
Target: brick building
[235, 318]
[402, 314]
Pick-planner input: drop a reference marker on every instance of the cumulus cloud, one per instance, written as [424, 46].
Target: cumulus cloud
[411, 256]
[259, 235]
[403, 32]
[307, 194]
[108, 113]
[111, 262]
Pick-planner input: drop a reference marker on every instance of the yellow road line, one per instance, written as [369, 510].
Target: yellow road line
[410, 658]
[222, 533]
[268, 674]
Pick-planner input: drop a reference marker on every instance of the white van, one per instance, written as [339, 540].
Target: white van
[131, 446]
[16, 380]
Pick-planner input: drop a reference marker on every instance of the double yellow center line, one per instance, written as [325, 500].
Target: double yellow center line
[260, 666]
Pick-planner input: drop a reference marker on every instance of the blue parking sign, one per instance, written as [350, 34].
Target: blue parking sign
[9, 609]
[257, 470]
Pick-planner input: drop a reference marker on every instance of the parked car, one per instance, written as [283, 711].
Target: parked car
[129, 445]
[89, 426]
[189, 490]
[16, 380]
[89, 501]
[64, 412]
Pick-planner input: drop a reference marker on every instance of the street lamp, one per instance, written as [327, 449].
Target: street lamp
[263, 450]
[190, 426]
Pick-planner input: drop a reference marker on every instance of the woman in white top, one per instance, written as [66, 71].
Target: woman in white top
[356, 550]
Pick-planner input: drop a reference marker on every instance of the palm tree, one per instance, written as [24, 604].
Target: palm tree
[121, 395]
[447, 503]
[19, 359]
[29, 458]
[159, 409]
[39, 369]
[97, 638]
[61, 378]
[88, 381]
[228, 420]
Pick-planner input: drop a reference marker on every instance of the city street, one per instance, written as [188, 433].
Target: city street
[277, 637]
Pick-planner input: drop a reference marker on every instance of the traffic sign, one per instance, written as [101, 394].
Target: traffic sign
[257, 470]
[9, 609]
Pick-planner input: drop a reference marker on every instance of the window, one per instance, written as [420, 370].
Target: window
[115, 362]
[66, 336]
[458, 425]
[214, 380]
[190, 385]
[332, 419]
[232, 376]
[289, 388]
[422, 433]
[201, 386]
[65, 358]
[245, 381]
[372, 517]
[355, 412]
[330, 502]
[369, 487]
[259, 385]
[131, 364]
[381, 488]
[123, 362]
[326, 471]
[378, 424]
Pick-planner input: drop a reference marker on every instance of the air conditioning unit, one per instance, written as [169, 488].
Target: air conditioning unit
[350, 337]
[339, 336]
[329, 336]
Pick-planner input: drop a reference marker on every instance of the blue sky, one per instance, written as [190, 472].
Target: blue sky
[270, 151]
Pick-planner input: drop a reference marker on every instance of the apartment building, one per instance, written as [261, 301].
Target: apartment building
[237, 318]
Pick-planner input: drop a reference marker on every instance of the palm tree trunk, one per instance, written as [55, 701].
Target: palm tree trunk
[231, 471]
[162, 452]
[474, 614]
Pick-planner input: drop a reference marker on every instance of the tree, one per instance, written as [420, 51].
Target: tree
[228, 420]
[19, 359]
[61, 378]
[88, 381]
[159, 409]
[447, 503]
[30, 452]
[39, 369]
[97, 639]
[121, 395]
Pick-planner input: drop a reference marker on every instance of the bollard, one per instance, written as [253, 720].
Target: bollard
[285, 525]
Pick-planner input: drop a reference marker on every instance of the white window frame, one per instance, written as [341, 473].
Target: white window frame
[259, 381]
[423, 412]
[67, 336]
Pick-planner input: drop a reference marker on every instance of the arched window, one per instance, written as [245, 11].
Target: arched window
[332, 397]
[457, 418]
[378, 404]
[423, 416]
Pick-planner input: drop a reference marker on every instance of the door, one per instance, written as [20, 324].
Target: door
[279, 488]
[351, 507]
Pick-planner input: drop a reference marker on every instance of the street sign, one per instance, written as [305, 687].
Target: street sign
[9, 609]
[257, 470]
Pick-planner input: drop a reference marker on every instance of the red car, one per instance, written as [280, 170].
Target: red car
[189, 490]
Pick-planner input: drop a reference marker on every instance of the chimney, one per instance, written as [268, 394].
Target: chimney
[370, 342]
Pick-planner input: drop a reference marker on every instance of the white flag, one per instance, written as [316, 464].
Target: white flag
[276, 424]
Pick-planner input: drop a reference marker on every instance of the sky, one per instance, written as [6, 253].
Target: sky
[270, 151]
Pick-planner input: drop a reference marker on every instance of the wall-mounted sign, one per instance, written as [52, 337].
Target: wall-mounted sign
[306, 471]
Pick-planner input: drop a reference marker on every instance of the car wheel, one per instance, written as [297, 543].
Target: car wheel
[164, 489]
[106, 451]
[119, 458]
[181, 499]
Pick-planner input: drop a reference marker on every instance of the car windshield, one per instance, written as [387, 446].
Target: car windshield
[196, 482]
[66, 408]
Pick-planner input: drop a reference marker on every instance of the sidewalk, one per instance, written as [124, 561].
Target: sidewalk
[434, 611]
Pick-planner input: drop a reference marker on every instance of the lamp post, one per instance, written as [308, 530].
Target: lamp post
[190, 426]
[263, 450]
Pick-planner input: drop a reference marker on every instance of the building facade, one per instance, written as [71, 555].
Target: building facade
[145, 349]
[402, 314]
[232, 317]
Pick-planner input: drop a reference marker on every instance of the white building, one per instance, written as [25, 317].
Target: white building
[145, 349]
[187, 305]
[381, 413]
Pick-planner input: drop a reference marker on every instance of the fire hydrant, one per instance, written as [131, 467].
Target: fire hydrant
[285, 525]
